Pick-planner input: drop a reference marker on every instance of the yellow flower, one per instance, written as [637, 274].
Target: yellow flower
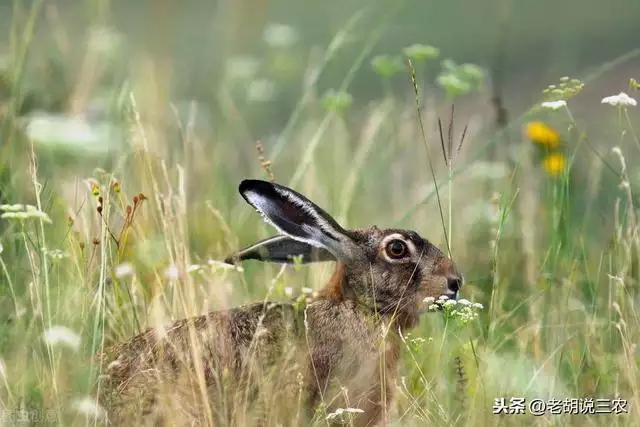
[542, 134]
[553, 164]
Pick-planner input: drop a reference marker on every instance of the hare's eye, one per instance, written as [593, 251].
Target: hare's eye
[397, 249]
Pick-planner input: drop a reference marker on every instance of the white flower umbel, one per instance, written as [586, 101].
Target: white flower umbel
[429, 300]
[461, 310]
[61, 335]
[554, 105]
[12, 208]
[621, 99]
[23, 212]
[71, 133]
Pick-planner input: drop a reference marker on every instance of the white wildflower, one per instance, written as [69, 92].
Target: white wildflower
[463, 310]
[88, 406]
[554, 105]
[443, 298]
[33, 212]
[279, 35]
[307, 290]
[340, 411]
[433, 307]
[23, 213]
[621, 99]
[68, 132]
[62, 335]
[13, 215]
[12, 208]
[429, 300]
[123, 270]
[288, 291]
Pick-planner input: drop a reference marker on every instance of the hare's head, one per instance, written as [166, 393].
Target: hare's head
[388, 271]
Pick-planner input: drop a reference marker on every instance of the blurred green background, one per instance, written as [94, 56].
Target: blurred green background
[531, 41]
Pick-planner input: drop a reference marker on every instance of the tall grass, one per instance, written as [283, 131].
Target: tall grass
[136, 233]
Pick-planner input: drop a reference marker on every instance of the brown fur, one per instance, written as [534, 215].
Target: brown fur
[258, 364]
[335, 286]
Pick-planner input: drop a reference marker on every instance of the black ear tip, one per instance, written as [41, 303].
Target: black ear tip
[245, 184]
[253, 185]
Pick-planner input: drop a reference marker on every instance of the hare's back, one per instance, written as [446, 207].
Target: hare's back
[224, 337]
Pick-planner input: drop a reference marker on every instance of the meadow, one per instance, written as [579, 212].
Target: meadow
[119, 202]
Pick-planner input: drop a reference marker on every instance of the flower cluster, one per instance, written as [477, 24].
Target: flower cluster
[543, 135]
[620, 100]
[565, 89]
[461, 310]
[415, 343]
[458, 80]
[548, 139]
[23, 212]
[555, 97]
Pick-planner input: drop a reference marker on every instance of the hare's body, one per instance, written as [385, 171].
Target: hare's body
[270, 363]
[291, 366]
[182, 374]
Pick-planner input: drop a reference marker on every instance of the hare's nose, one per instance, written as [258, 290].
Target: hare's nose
[453, 277]
[454, 283]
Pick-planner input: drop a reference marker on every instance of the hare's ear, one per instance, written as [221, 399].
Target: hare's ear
[281, 249]
[298, 217]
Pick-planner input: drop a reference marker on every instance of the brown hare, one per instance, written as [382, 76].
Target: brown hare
[287, 363]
